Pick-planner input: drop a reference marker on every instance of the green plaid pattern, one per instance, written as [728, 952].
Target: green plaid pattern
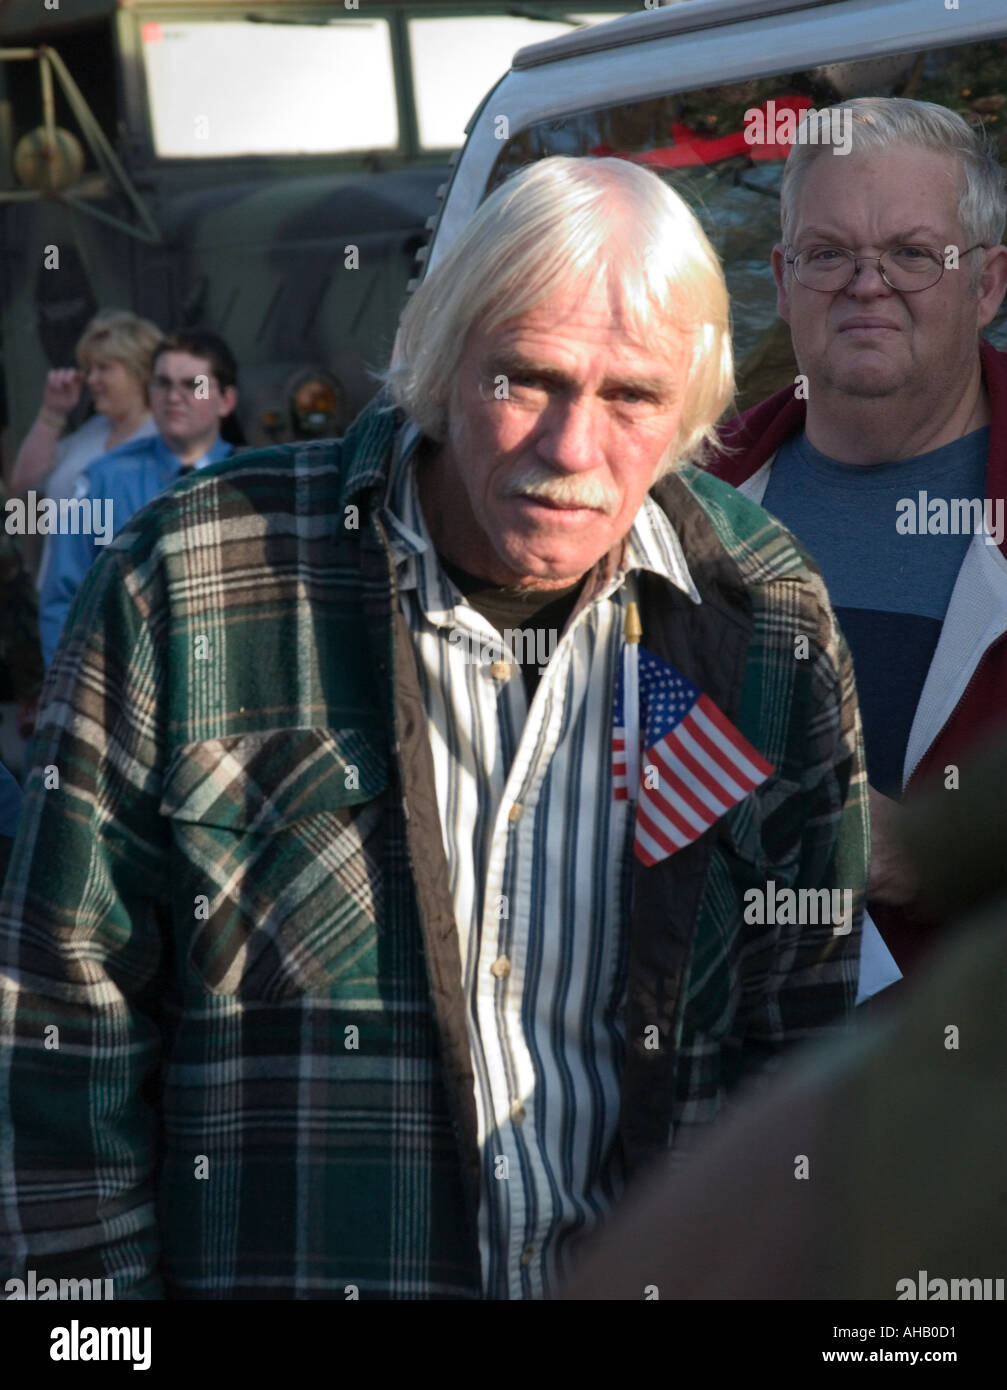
[233, 1059]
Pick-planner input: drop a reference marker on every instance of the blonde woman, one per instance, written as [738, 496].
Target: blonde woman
[114, 360]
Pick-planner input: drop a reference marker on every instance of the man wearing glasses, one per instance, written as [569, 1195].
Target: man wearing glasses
[191, 391]
[888, 460]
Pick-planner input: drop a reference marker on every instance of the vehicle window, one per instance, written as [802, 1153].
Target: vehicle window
[236, 88]
[456, 60]
[695, 141]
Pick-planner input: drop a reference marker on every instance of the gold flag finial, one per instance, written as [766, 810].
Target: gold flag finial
[632, 630]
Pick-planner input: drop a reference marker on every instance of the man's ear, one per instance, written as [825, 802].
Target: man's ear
[228, 400]
[780, 276]
[992, 284]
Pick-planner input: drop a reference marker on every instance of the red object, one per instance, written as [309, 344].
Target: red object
[151, 33]
[691, 148]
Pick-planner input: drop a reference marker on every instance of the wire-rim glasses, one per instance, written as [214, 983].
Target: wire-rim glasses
[907, 269]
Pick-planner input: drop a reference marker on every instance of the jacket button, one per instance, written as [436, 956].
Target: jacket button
[517, 1112]
[500, 670]
[500, 968]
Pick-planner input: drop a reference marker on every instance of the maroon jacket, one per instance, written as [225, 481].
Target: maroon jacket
[965, 696]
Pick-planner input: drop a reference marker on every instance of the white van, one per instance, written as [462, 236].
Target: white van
[675, 88]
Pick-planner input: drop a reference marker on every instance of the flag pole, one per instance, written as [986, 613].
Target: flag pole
[632, 631]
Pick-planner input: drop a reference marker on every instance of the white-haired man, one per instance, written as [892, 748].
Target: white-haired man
[377, 960]
[889, 459]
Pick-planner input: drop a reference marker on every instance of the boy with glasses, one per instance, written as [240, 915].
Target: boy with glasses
[192, 390]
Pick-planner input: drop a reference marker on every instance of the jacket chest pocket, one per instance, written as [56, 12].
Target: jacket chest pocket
[278, 858]
[765, 829]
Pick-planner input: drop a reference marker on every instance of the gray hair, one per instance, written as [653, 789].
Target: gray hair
[879, 123]
[566, 224]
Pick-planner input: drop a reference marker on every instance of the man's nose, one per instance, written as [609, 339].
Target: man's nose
[867, 279]
[569, 438]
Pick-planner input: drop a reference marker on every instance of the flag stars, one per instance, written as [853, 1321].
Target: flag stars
[706, 764]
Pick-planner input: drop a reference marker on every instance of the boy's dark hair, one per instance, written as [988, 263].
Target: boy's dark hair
[201, 342]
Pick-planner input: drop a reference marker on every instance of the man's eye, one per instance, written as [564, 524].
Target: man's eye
[912, 253]
[823, 255]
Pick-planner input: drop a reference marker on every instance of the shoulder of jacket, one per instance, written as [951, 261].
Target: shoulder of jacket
[266, 482]
[761, 546]
[247, 469]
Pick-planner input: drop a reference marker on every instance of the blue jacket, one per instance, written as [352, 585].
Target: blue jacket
[126, 479]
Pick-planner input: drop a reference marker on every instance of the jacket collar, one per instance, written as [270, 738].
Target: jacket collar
[708, 642]
[750, 440]
[368, 445]
[170, 462]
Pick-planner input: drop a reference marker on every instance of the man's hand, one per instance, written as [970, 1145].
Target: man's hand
[892, 879]
[62, 392]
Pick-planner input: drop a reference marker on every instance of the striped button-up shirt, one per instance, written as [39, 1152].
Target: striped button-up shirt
[538, 852]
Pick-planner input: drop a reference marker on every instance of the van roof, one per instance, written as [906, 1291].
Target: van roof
[29, 17]
[677, 17]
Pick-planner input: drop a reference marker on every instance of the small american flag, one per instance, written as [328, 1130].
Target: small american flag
[696, 765]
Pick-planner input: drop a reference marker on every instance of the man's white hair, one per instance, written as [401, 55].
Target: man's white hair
[884, 123]
[565, 225]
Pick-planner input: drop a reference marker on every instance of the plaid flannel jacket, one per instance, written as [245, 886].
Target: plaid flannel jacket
[233, 1049]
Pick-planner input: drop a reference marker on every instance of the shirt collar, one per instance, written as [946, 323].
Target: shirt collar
[220, 449]
[651, 544]
[411, 544]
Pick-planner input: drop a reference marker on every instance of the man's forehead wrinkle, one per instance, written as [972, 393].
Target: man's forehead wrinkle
[511, 360]
[864, 185]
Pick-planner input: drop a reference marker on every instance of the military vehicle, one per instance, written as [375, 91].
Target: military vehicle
[265, 170]
[675, 89]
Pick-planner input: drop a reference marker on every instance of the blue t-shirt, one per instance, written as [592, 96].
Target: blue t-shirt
[890, 587]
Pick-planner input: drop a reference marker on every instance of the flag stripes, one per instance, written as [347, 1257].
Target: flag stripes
[695, 767]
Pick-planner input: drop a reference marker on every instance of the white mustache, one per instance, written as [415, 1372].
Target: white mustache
[566, 491]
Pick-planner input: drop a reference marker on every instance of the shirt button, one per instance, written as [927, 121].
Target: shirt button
[500, 968]
[517, 1112]
[500, 670]
[527, 1255]
[515, 813]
